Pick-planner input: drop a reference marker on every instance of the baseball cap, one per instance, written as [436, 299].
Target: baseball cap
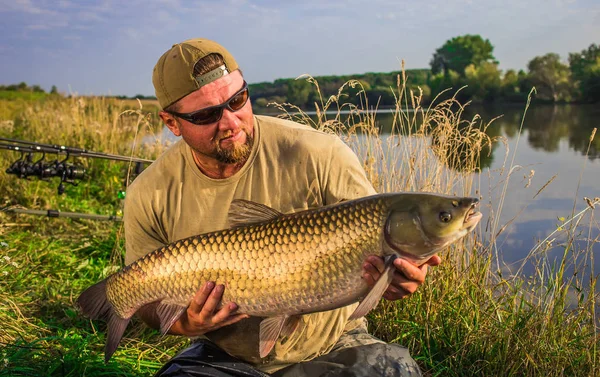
[173, 76]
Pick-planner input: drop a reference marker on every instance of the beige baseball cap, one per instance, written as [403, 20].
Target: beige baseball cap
[173, 75]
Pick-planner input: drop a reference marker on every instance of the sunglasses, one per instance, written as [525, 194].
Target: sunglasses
[215, 113]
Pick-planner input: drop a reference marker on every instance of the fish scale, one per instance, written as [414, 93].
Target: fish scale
[267, 268]
[283, 266]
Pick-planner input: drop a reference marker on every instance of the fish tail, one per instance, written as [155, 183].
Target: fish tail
[94, 304]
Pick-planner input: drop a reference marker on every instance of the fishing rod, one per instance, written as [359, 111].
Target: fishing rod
[69, 173]
[71, 151]
[55, 213]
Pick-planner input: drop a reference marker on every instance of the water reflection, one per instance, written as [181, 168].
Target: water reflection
[547, 125]
[552, 172]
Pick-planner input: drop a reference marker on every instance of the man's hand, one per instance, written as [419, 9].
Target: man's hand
[407, 277]
[202, 315]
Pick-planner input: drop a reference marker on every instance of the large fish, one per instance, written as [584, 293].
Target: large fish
[280, 266]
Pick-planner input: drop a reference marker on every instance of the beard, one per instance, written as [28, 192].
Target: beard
[237, 154]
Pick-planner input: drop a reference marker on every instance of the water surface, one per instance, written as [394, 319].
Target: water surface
[554, 166]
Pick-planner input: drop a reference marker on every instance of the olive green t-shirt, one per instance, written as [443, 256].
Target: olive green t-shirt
[291, 167]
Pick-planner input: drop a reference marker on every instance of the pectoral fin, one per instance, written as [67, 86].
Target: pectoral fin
[372, 299]
[271, 328]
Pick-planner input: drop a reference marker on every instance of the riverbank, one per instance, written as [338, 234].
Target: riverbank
[468, 319]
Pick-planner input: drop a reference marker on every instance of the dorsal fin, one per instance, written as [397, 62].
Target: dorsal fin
[244, 212]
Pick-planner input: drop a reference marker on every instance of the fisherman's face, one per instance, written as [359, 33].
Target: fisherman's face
[228, 140]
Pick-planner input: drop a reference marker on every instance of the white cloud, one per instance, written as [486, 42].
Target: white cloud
[386, 16]
[133, 34]
[165, 17]
[25, 6]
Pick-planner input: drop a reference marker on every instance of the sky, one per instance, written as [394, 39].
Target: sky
[108, 47]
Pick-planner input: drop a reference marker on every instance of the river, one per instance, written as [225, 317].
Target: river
[553, 144]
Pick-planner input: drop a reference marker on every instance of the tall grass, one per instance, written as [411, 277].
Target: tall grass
[470, 318]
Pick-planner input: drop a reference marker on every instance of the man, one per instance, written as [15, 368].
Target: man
[229, 153]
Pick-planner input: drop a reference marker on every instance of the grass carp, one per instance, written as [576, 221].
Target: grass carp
[281, 266]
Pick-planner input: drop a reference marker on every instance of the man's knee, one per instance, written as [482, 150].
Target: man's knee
[375, 359]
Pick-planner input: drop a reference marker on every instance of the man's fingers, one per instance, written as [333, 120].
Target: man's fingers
[434, 261]
[372, 269]
[200, 298]
[225, 312]
[410, 271]
[212, 302]
[230, 321]
[376, 262]
[369, 279]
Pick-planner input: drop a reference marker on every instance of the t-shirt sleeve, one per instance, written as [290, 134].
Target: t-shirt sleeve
[345, 178]
[141, 229]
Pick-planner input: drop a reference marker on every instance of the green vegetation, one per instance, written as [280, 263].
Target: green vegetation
[465, 61]
[469, 318]
[585, 69]
[460, 52]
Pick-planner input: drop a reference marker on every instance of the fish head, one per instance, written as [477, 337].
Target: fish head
[420, 225]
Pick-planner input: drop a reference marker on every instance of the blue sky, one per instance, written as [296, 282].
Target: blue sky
[110, 47]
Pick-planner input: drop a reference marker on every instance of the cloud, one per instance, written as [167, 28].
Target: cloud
[25, 6]
[386, 16]
[165, 17]
[133, 34]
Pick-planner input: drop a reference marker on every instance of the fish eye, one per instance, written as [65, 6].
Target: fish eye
[445, 217]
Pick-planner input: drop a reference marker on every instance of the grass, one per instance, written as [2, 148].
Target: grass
[470, 318]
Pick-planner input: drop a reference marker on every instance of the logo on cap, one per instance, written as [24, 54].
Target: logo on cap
[211, 76]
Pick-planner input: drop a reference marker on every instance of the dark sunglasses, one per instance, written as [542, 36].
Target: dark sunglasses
[214, 113]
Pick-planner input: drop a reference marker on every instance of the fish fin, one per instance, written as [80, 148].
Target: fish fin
[290, 326]
[372, 299]
[244, 212]
[94, 304]
[115, 331]
[270, 328]
[168, 313]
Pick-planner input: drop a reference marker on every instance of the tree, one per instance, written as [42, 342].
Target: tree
[483, 81]
[459, 52]
[298, 92]
[510, 82]
[443, 81]
[550, 77]
[53, 90]
[585, 70]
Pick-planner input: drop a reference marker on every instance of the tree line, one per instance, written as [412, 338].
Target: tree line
[465, 62]
[23, 87]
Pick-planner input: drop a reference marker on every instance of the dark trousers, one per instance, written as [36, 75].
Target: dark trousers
[357, 353]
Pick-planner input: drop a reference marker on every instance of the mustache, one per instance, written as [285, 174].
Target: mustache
[228, 134]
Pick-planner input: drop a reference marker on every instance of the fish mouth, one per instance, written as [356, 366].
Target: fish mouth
[472, 217]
